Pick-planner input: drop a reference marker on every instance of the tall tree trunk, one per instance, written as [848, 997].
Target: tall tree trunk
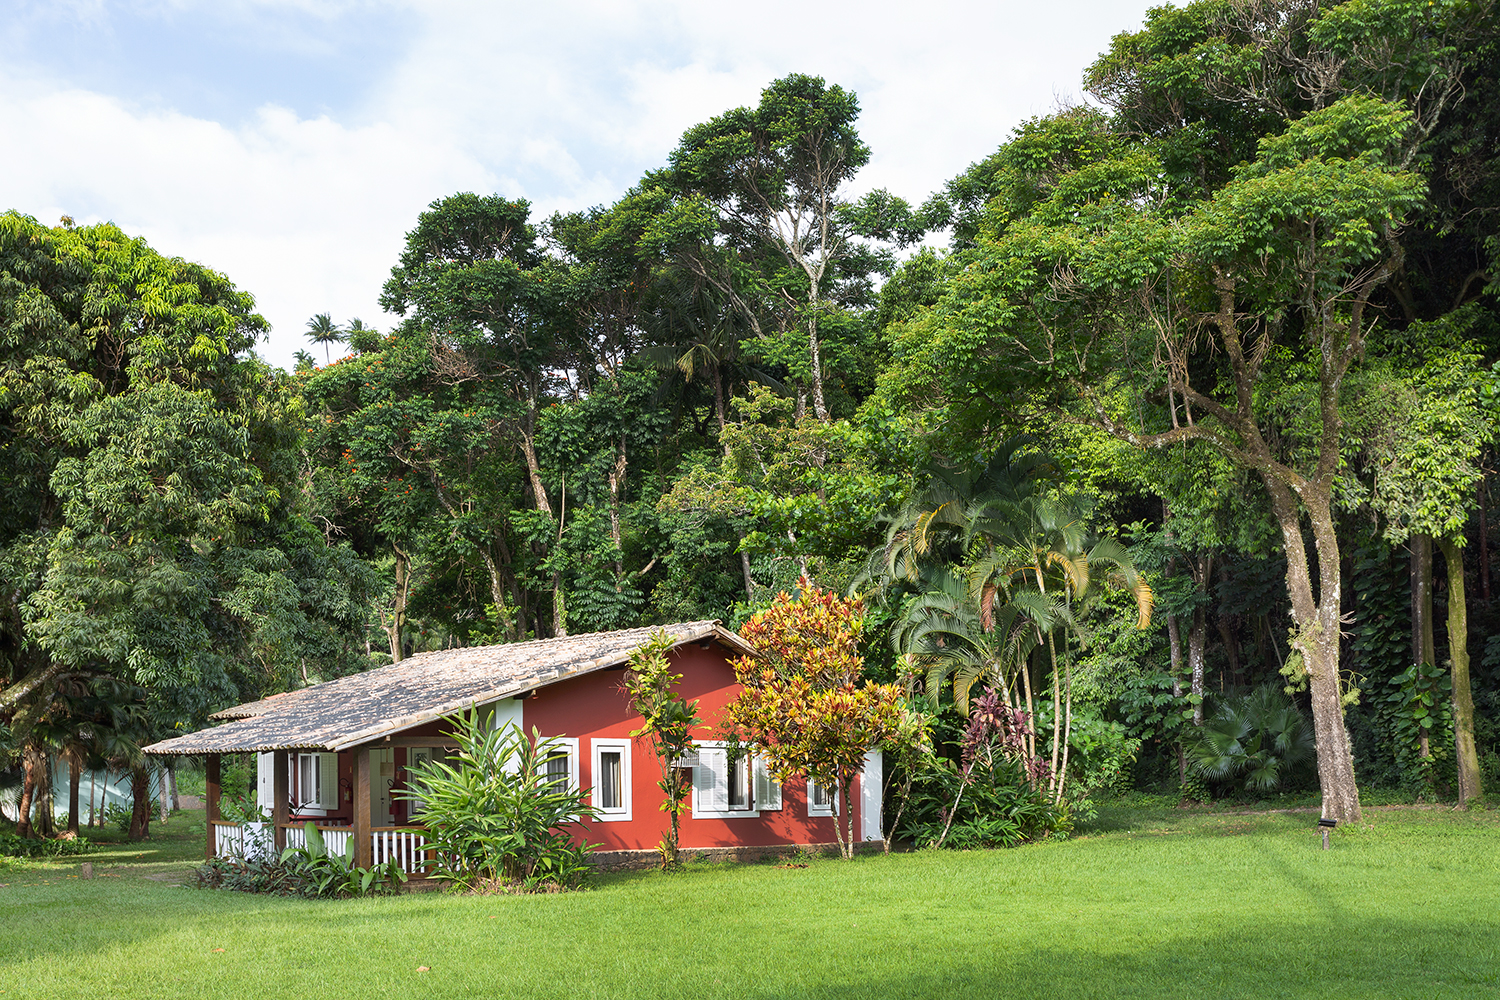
[816, 360]
[1197, 642]
[720, 413]
[1202, 566]
[46, 807]
[616, 494]
[1484, 541]
[1317, 621]
[140, 812]
[75, 775]
[1470, 781]
[497, 591]
[1062, 776]
[1174, 643]
[1057, 720]
[164, 795]
[397, 624]
[172, 781]
[559, 600]
[28, 792]
[1422, 643]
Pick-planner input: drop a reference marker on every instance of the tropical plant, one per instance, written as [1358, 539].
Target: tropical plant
[14, 846]
[326, 874]
[496, 819]
[321, 329]
[667, 724]
[1259, 736]
[995, 794]
[907, 753]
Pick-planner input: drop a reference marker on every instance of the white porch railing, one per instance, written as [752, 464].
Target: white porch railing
[407, 845]
[241, 840]
[229, 839]
[335, 838]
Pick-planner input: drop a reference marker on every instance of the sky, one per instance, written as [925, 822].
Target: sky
[291, 144]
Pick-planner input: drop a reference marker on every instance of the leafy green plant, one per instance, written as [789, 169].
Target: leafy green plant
[267, 874]
[496, 819]
[1419, 704]
[1259, 736]
[998, 808]
[325, 874]
[667, 724]
[13, 846]
[310, 870]
[1103, 753]
[995, 796]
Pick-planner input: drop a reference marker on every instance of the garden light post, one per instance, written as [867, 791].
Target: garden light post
[1325, 824]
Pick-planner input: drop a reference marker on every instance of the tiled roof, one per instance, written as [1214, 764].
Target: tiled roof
[341, 713]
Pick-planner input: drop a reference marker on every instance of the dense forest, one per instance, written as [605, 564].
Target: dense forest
[1170, 421]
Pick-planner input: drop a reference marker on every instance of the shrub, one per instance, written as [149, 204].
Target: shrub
[324, 874]
[1103, 753]
[495, 817]
[310, 871]
[999, 808]
[1259, 736]
[28, 847]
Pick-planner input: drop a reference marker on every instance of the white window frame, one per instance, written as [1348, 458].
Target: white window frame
[325, 793]
[569, 746]
[598, 748]
[706, 777]
[829, 809]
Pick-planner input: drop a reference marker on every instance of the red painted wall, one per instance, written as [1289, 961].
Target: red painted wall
[594, 706]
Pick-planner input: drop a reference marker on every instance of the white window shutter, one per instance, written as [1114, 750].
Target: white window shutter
[328, 781]
[711, 775]
[767, 789]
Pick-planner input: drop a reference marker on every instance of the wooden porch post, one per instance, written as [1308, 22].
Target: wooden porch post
[211, 792]
[363, 848]
[281, 794]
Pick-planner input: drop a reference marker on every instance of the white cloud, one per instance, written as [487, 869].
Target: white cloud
[564, 103]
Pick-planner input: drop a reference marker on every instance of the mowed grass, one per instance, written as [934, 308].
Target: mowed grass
[1179, 904]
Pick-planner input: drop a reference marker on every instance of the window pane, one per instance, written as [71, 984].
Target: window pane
[556, 769]
[739, 784]
[820, 796]
[307, 780]
[610, 791]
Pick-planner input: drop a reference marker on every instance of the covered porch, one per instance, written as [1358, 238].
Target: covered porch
[359, 808]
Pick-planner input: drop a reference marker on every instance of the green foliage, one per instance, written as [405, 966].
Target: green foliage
[1260, 737]
[1103, 755]
[667, 725]
[1417, 703]
[495, 820]
[998, 808]
[324, 874]
[12, 846]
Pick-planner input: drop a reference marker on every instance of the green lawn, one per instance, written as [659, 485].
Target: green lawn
[1167, 903]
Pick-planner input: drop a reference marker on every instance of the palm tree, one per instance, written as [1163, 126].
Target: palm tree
[998, 566]
[322, 330]
[929, 528]
[1259, 735]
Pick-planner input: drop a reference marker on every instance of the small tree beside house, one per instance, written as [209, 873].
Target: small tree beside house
[667, 724]
[802, 706]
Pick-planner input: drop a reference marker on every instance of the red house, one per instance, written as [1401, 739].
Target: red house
[335, 753]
